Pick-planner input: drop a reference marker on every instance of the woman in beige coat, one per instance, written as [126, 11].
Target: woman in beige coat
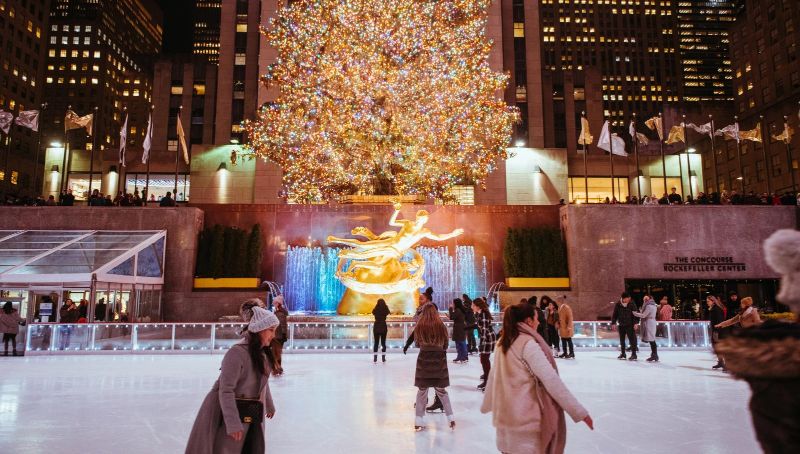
[525, 395]
[747, 318]
[566, 327]
[219, 428]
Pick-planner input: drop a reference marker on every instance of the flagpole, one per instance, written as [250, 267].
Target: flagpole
[177, 152]
[739, 153]
[638, 168]
[688, 158]
[663, 158]
[147, 181]
[714, 155]
[789, 155]
[94, 145]
[63, 185]
[36, 187]
[764, 140]
[122, 170]
[611, 159]
[7, 175]
[585, 160]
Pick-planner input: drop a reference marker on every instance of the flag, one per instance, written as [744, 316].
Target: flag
[5, 120]
[729, 132]
[752, 135]
[586, 136]
[148, 139]
[611, 142]
[182, 141]
[676, 135]
[73, 121]
[656, 124]
[123, 141]
[28, 119]
[637, 136]
[702, 129]
[786, 135]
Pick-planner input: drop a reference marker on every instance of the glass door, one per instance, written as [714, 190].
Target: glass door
[45, 305]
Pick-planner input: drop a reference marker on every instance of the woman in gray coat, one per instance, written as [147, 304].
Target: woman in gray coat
[219, 428]
[647, 326]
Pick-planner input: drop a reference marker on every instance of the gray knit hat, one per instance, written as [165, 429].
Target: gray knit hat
[262, 319]
[782, 253]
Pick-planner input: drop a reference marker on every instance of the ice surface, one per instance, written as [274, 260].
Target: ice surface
[342, 403]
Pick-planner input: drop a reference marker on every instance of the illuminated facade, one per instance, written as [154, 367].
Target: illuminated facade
[206, 29]
[23, 33]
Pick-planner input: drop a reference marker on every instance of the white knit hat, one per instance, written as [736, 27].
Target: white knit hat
[782, 253]
[262, 319]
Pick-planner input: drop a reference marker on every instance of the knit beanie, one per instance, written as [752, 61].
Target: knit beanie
[782, 253]
[262, 319]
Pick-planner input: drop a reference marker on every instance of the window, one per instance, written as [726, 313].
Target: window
[241, 28]
[777, 169]
[176, 90]
[172, 145]
[460, 195]
[14, 176]
[599, 189]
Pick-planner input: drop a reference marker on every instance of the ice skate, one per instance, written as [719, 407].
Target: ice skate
[436, 407]
[633, 357]
[622, 356]
[652, 359]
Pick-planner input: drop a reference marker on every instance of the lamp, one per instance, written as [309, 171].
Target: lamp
[222, 166]
[519, 143]
[537, 169]
[691, 150]
[55, 144]
[54, 168]
[235, 141]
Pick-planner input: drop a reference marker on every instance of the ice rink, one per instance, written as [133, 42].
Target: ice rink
[342, 403]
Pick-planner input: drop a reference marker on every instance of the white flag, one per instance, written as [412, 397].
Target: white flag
[148, 139]
[182, 141]
[123, 141]
[702, 129]
[28, 119]
[611, 142]
[730, 132]
[5, 120]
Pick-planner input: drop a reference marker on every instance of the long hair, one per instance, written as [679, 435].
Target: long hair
[381, 303]
[467, 300]
[8, 307]
[481, 303]
[258, 354]
[458, 305]
[430, 329]
[511, 317]
[544, 301]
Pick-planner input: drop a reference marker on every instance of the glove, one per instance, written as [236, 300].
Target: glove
[405, 349]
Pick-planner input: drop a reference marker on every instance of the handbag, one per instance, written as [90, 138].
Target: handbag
[251, 411]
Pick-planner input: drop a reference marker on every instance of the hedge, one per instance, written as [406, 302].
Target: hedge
[229, 252]
[537, 252]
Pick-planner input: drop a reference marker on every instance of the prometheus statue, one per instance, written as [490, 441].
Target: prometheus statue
[384, 266]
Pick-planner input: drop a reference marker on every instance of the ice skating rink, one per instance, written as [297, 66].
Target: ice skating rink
[342, 403]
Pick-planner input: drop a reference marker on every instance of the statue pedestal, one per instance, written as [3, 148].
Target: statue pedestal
[355, 303]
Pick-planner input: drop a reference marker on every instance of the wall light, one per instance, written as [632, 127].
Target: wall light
[56, 144]
[519, 143]
[691, 150]
[222, 166]
[235, 141]
[739, 178]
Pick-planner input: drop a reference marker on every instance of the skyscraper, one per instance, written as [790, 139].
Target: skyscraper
[205, 37]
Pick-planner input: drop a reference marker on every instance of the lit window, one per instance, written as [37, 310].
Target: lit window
[74, 54]
[176, 90]
[97, 54]
[65, 40]
[519, 30]
[14, 176]
[94, 81]
[136, 92]
[241, 28]
[63, 53]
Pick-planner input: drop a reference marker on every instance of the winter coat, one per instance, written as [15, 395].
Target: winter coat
[624, 314]
[647, 329]
[380, 313]
[218, 416]
[469, 318]
[664, 313]
[565, 321]
[69, 315]
[486, 333]
[748, 319]
[768, 358]
[519, 383]
[282, 331]
[432, 367]
[459, 325]
[9, 323]
[715, 317]
[542, 329]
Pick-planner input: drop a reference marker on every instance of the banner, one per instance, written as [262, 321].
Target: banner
[123, 141]
[611, 142]
[73, 121]
[657, 125]
[28, 119]
[586, 136]
[5, 120]
[676, 135]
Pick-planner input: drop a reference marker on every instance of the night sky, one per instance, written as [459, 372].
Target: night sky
[177, 25]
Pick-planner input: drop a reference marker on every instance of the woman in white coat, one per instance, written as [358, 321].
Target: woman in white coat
[525, 395]
[648, 325]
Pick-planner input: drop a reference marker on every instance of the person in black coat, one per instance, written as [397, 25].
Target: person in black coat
[431, 372]
[458, 318]
[716, 315]
[623, 314]
[539, 311]
[472, 325]
[380, 329]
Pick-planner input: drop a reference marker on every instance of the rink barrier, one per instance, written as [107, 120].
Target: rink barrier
[148, 338]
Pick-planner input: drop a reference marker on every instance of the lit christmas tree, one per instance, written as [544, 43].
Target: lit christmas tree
[382, 96]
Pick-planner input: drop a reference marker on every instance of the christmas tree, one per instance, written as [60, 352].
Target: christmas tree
[383, 97]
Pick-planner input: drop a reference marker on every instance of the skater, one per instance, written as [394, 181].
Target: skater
[746, 318]
[9, 326]
[380, 330]
[716, 315]
[281, 333]
[566, 328]
[625, 321]
[552, 324]
[457, 316]
[469, 320]
[423, 299]
[540, 315]
[230, 419]
[430, 335]
[525, 395]
[487, 337]
[647, 329]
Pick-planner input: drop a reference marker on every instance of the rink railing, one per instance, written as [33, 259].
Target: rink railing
[52, 338]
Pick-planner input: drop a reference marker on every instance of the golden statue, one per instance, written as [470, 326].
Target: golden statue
[384, 266]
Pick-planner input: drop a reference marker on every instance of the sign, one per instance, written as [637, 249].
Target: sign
[704, 264]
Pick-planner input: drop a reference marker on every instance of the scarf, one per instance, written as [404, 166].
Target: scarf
[553, 430]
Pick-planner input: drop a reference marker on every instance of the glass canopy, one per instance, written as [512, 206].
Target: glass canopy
[82, 256]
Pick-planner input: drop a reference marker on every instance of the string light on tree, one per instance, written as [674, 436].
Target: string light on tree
[382, 96]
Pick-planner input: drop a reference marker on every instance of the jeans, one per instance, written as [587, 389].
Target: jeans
[63, 339]
[627, 330]
[461, 348]
[567, 342]
[422, 402]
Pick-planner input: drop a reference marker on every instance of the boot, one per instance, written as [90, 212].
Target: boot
[652, 359]
[383, 358]
[374, 358]
[719, 365]
[622, 355]
[563, 355]
[437, 405]
[482, 386]
[633, 356]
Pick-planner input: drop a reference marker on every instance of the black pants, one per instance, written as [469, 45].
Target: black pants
[627, 330]
[379, 338]
[552, 337]
[567, 342]
[653, 349]
[471, 344]
[8, 337]
[486, 364]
